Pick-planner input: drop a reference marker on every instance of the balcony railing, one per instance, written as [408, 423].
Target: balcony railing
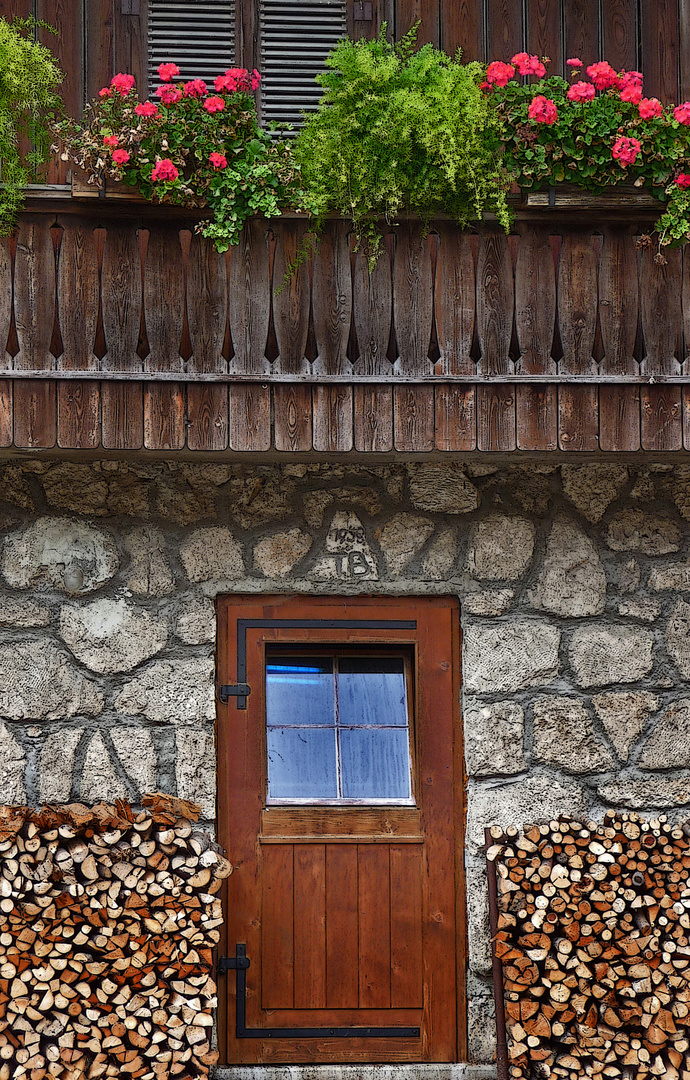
[125, 330]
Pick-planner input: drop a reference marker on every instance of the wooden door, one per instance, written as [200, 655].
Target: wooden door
[345, 902]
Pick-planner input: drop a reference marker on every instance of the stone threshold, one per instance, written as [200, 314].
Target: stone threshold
[460, 1071]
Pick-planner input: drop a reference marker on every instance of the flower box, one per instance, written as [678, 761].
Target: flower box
[571, 195]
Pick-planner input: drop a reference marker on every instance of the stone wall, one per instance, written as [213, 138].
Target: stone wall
[575, 591]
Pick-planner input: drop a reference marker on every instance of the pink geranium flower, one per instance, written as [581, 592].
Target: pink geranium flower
[626, 150]
[120, 157]
[219, 161]
[146, 108]
[581, 91]
[105, 91]
[681, 113]
[166, 72]
[602, 75]
[164, 170]
[195, 88]
[499, 73]
[574, 62]
[169, 95]
[632, 94]
[543, 110]
[528, 65]
[683, 179]
[214, 104]
[110, 140]
[256, 79]
[630, 78]
[649, 107]
[123, 83]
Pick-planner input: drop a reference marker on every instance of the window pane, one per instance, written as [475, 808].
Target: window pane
[299, 690]
[375, 764]
[371, 690]
[301, 763]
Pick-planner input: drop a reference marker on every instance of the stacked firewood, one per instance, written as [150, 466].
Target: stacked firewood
[592, 934]
[108, 920]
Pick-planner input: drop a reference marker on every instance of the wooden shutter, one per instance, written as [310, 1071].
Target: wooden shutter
[295, 38]
[197, 35]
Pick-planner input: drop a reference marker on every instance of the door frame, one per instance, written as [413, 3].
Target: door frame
[224, 604]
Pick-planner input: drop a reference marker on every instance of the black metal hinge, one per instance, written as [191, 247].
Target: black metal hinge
[239, 964]
[239, 690]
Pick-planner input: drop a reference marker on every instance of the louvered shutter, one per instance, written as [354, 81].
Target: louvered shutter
[296, 36]
[197, 35]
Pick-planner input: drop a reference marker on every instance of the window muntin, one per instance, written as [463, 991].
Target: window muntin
[338, 728]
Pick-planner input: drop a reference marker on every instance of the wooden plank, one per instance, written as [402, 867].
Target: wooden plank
[413, 412]
[249, 310]
[207, 314]
[100, 45]
[6, 414]
[659, 43]
[292, 405]
[544, 32]
[78, 418]
[454, 301]
[661, 312]
[342, 982]
[461, 28]
[619, 34]
[424, 12]
[34, 311]
[495, 305]
[130, 46]
[372, 304]
[5, 299]
[406, 927]
[164, 305]
[374, 927]
[67, 47]
[535, 318]
[686, 417]
[122, 404]
[684, 33]
[578, 421]
[250, 417]
[373, 426]
[413, 299]
[619, 407]
[310, 926]
[277, 941]
[292, 412]
[662, 419]
[505, 30]
[455, 417]
[581, 31]
[332, 314]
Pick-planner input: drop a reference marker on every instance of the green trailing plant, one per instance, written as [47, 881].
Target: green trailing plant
[400, 130]
[595, 132]
[29, 77]
[192, 146]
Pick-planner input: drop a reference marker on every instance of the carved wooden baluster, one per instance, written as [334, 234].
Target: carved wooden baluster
[207, 316]
[578, 419]
[78, 293]
[34, 310]
[413, 312]
[164, 307]
[535, 318]
[495, 302]
[454, 305]
[372, 302]
[122, 403]
[660, 308]
[619, 406]
[292, 405]
[249, 305]
[332, 313]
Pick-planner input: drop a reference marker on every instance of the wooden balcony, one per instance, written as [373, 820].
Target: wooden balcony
[126, 331]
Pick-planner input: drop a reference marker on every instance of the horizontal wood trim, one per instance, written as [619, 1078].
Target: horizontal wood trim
[335, 838]
[306, 379]
[333, 822]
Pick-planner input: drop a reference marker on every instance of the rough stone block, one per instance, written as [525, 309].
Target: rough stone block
[654, 792]
[171, 692]
[401, 539]
[564, 737]
[134, 747]
[56, 765]
[572, 582]
[442, 489]
[12, 766]
[672, 576]
[609, 654]
[149, 572]
[500, 548]
[509, 656]
[592, 488]
[99, 780]
[668, 746]
[678, 637]
[478, 934]
[494, 736]
[623, 715]
[23, 613]
[441, 555]
[346, 554]
[195, 621]
[43, 684]
[57, 553]
[276, 556]
[519, 802]
[196, 768]
[490, 602]
[212, 555]
[110, 636]
[641, 530]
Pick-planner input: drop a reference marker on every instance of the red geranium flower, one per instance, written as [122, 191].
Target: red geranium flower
[169, 95]
[683, 179]
[649, 107]
[110, 140]
[166, 72]
[105, 92]
[581, 91]
[626, 150]
[146, 108]
[632, 93]
[543, 110]
[122, 83]
[164, 170]
[528, 65]
[574, 62]
[681, 113]
[499, 73]
[219, 161]
[602, 75]
[214, 104]
[120, 157]
[195, 88]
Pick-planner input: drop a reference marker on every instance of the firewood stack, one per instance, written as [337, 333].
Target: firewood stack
[593, 937]
[108, 919]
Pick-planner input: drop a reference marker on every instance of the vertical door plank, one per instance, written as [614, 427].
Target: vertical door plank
[619, 34]
[122, 403]
[292, 405]
[425, 12]
[66, 46]
[406, 926]
[619, 406]
[207, 314]
[277, 916]
[249, 307]
[413, 300]
[578, 420]
[660, 46]
[461, 28]
[495, 305]
[581, 31]
[660, 308]
[310, 926]
[342, 981]
[544, 32]
[374, 926]
[99, 45]
[505, 31]
[535, 318]
[332, 313]
[34, 311]
[164, 300]
[373, 424]
[78, 419]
